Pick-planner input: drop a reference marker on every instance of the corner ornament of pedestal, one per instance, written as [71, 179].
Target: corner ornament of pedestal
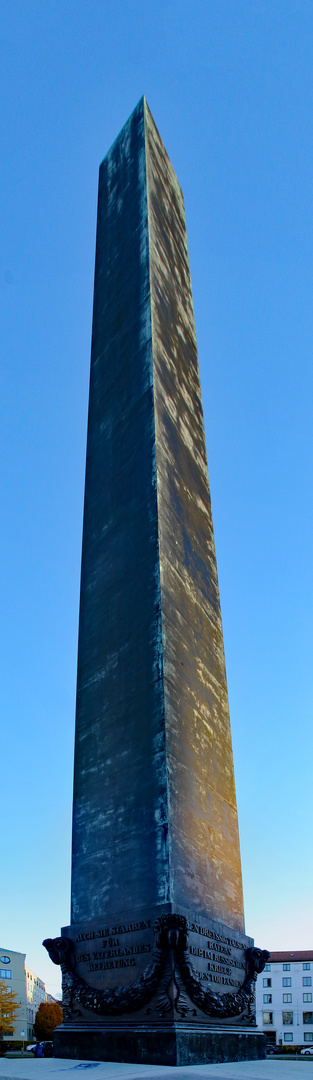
[169, 975]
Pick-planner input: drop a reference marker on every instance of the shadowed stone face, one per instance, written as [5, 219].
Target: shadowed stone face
[154, 819]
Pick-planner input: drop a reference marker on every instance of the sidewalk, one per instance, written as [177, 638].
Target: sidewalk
[46, 1068]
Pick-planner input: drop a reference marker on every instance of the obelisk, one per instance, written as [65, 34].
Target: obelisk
[156, 963]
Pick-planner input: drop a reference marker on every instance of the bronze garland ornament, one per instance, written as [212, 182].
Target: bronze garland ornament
[168, 974]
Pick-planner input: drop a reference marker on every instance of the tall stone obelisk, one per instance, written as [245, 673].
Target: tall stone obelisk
[155, 961]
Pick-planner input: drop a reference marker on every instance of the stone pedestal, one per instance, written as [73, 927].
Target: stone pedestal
[179, 1044]
[164, 988]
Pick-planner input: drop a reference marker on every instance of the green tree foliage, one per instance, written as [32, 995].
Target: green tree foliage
[9, 1009]
[48, 1017]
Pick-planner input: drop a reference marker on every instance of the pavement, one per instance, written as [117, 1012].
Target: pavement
[46, 1068]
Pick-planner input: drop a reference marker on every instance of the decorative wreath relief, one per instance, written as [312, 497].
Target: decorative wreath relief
[169, 975]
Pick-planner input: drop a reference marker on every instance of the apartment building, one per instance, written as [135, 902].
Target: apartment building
[35, 994]
[28, 987]
[284, 1009]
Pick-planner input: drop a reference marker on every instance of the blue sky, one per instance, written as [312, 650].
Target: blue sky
[230, 85]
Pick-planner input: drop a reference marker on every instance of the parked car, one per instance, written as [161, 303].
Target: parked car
[307, 1050]
[272, 1049]
[47, 1048]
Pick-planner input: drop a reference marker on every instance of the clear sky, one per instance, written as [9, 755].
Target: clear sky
[230, 85]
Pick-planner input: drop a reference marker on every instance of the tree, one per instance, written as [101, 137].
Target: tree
[48, 1017]
[9, 1009]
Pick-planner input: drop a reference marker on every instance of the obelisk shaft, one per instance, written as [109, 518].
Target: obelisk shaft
[120, 819]
[205, 864]
[154, 818]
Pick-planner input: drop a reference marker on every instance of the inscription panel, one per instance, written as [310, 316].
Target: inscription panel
[218, 958]
[115, 952]
[115, 947]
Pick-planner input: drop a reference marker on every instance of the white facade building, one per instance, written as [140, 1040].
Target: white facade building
[29, 989]
[35, 994]
[284, 1008]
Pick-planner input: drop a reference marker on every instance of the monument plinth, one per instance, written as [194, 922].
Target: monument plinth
[156, 965]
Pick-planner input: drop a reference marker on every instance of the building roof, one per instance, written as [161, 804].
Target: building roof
[290, 957]
[13, 951]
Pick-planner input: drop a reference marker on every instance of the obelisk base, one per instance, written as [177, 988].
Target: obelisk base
[164, 988]
[176, 1044]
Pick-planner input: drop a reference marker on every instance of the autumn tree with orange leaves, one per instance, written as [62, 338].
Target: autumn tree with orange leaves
[48, 1017]
[9, 1009]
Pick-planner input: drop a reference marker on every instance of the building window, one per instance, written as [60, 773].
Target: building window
[306, 967]
[288, 1036]
[308, 1036]
[287, 999]
[307, 997]
[267, 1018]
[5, 973]
[267, 967]
[307, 981]
[308, 1017]
[267, 999]
[287, 982]
[288, 1019]
[267, 982]
[286, 967]
[6, 960]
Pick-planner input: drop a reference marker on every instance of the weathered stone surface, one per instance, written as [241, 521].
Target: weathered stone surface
[154, 798]
[204, 846]
[120, 818]
[181, 1045]
[155, 961]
